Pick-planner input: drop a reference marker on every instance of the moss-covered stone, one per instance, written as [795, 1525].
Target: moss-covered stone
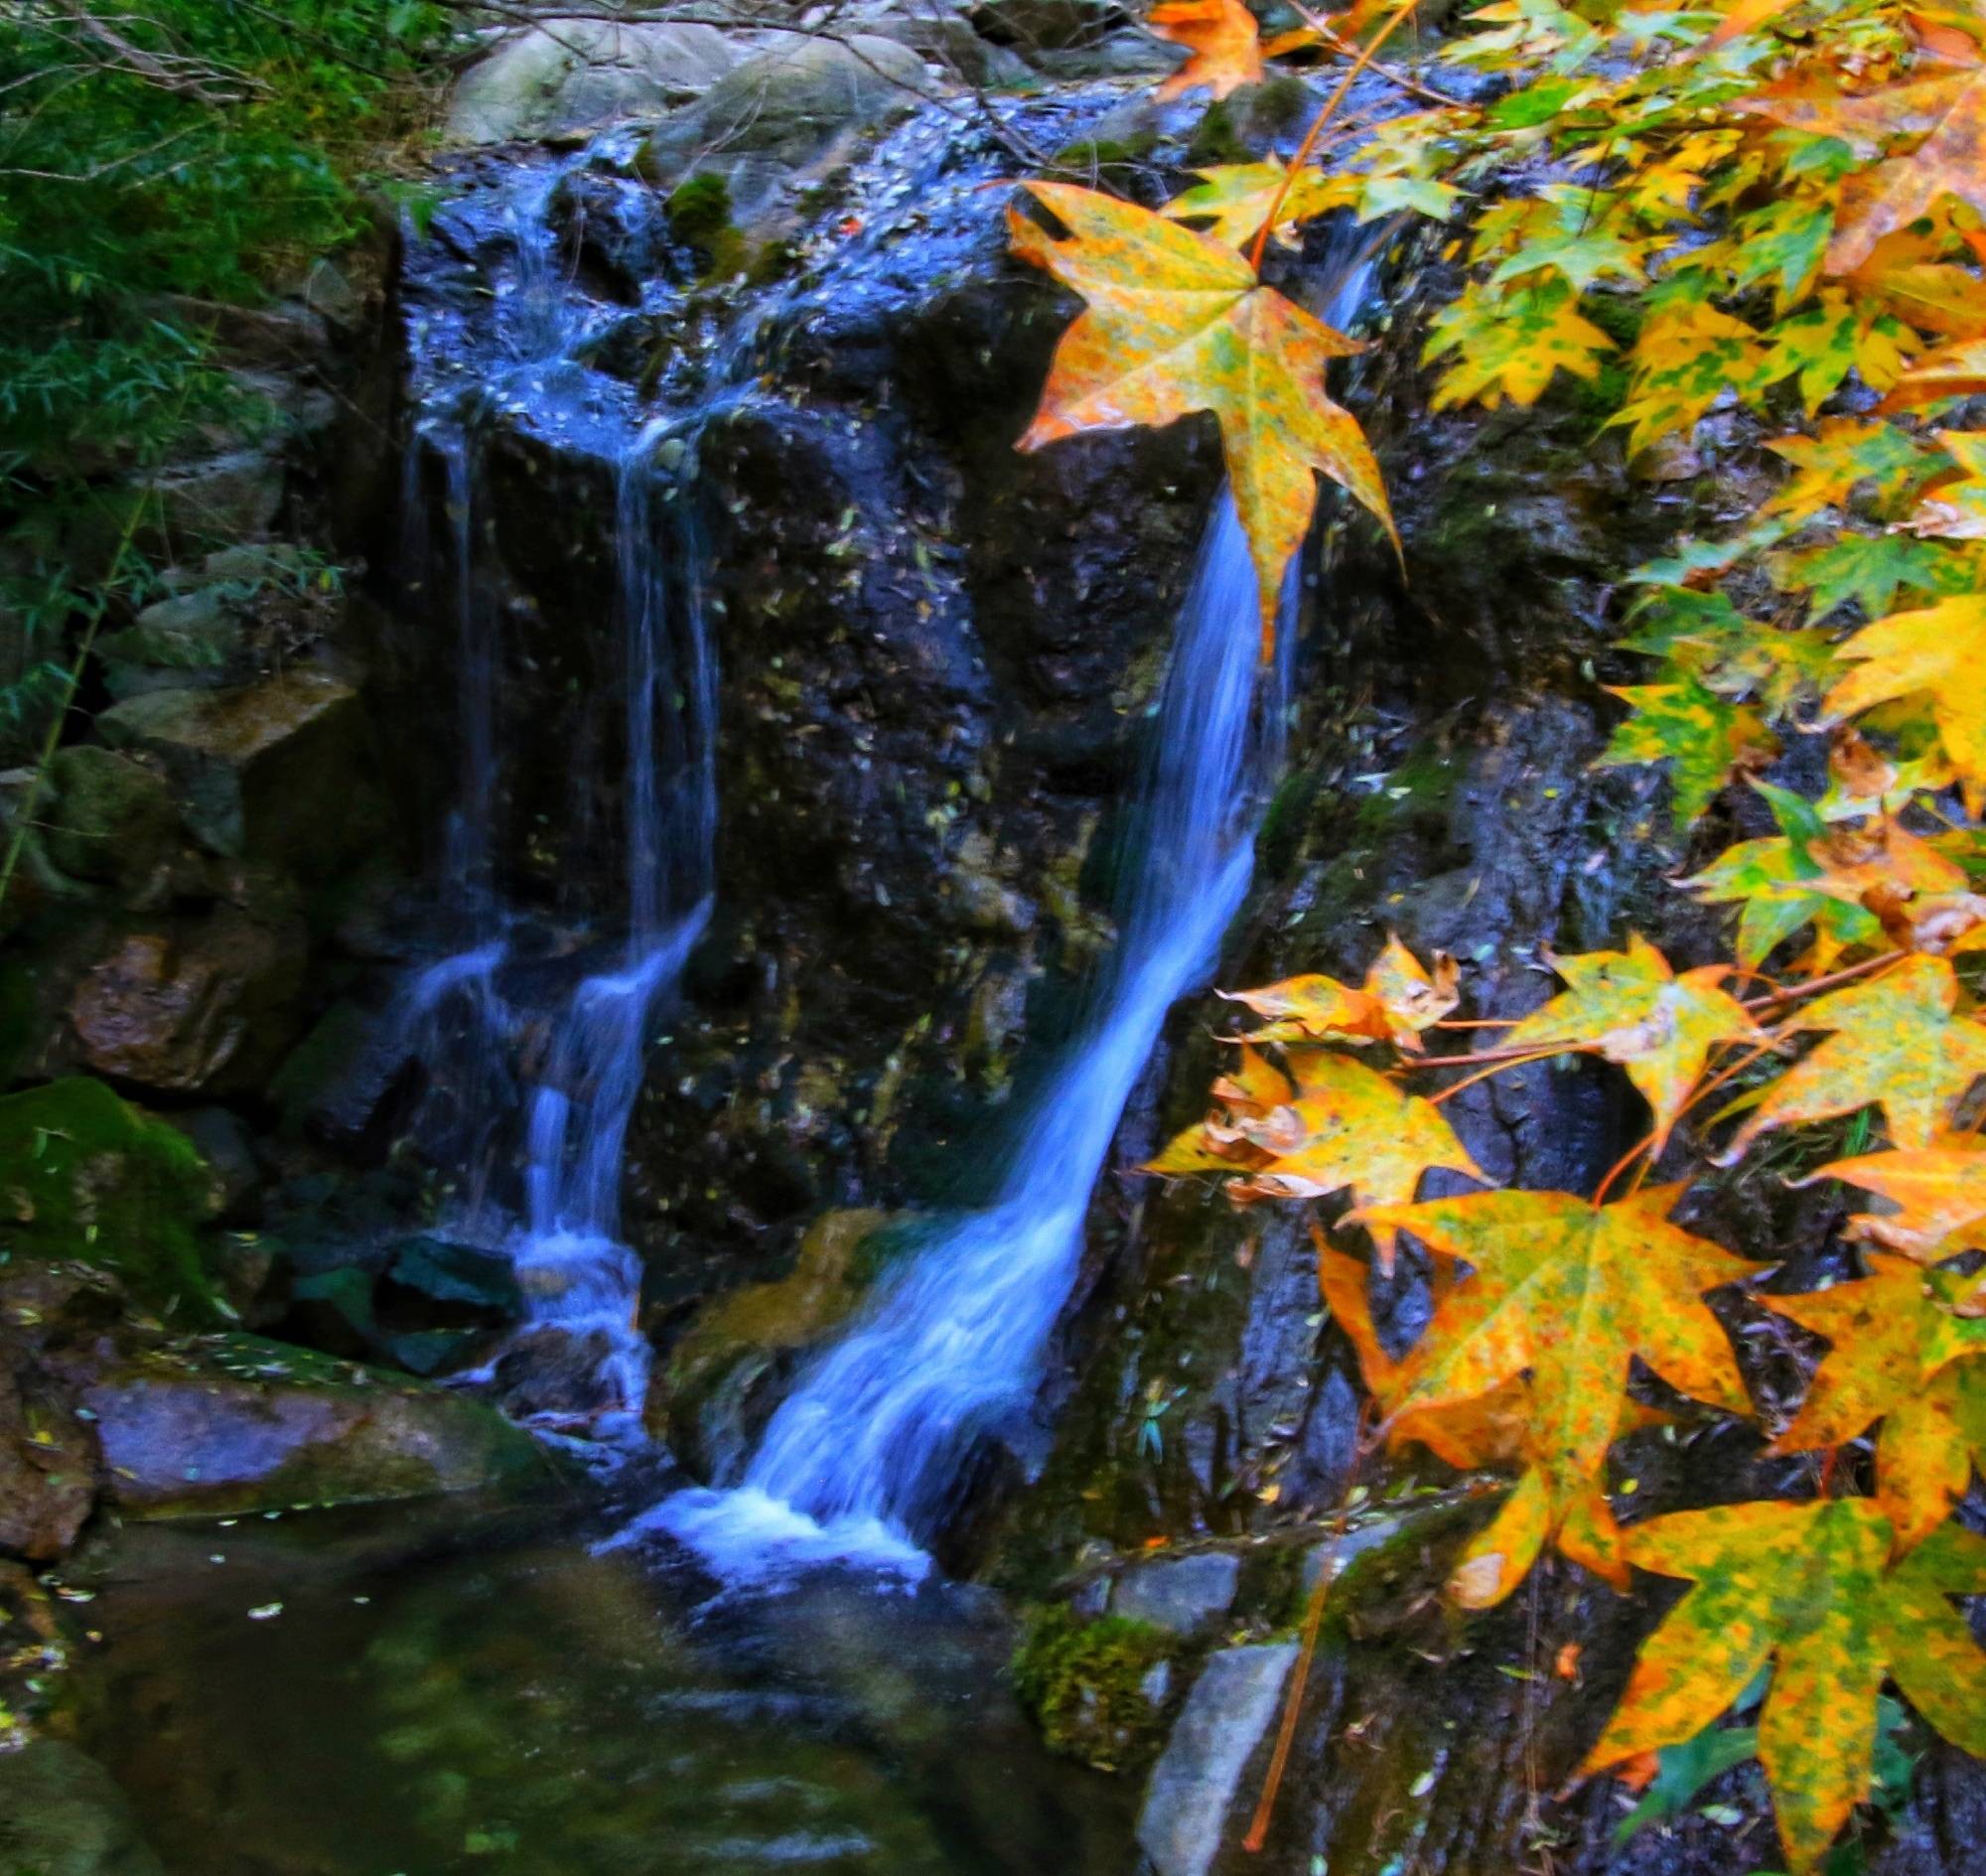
[1091, 1686]
[87, 1175]
[1098, 160]
[699, 208]
[735, 1339]
[1216, 139]
[236, 1423]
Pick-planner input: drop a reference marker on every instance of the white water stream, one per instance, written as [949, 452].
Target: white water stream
[862, 1460]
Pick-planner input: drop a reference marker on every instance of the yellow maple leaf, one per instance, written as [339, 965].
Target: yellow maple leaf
[1936, 651]
[1178, 321]
[1234, 199]
[1893, 1339]
[1939, 1191]
[1636, 1011]
[1571, 1293]
[1349, 1128]
[1896, 1044]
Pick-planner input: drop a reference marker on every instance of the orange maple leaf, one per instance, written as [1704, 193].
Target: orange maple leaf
[1399, 998]
[1571, 1293]
[1226, 43]
[1958, 370]
[1949, 162]
[1939, 1191]
[1176, 322]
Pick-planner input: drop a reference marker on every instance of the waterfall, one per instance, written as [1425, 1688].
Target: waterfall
[565, 1116]
[864, 1461]
[861, 1462]
[577, 1277]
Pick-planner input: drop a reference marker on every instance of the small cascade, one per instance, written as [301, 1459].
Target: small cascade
[532, 1032]
[577, 1277]
[861, 1461]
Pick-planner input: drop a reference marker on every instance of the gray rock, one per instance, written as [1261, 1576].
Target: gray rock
[1036, 26]
[1188, 1594]
[252, 564]
[197, 1003]
[234, 1423]
[950, 43]
[783, 111]
[255, 764]
[1193, 1785]
[62, 1815]
[105, 816]
[190, 636]
[566, 78]
[449, 1272]
[233, 498]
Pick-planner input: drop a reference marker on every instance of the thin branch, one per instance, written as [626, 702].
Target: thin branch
[1328, 36]
[1394, 20]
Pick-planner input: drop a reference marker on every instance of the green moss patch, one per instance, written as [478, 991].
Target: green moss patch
[87, 1175]
[1090, 1685]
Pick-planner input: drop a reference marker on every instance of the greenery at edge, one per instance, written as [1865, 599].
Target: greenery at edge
[158, 165]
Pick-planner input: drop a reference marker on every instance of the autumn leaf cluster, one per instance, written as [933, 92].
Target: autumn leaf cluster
[1755, 238]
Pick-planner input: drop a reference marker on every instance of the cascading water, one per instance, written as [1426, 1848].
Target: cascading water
[576, 1275]
[532, 1077]
[861, 1461]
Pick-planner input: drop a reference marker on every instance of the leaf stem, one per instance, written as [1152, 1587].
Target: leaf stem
[1848, 974]
[1358, 65]
[1619, 1166]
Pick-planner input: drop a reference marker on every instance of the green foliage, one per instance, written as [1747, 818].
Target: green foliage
[699, 208]
[156, 165]
[87, 1176]
[1085, 1684]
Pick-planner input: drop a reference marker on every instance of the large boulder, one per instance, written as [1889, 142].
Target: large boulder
[234, 1423]
[279, 771]
[563, 78]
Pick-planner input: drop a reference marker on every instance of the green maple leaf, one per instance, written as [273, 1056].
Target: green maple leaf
[1702, 737]
[1710, 640]
[1512, 345]
[1869, 570]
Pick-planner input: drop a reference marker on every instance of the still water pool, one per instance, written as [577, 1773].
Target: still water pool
[399, 1694]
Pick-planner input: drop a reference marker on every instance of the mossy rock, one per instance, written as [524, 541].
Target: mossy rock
[235, 1423]
[699, 208]
[1095, 1688]
[87, 1175]
[741, 1330]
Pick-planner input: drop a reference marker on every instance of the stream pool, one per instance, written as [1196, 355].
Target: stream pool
[396, 1693]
